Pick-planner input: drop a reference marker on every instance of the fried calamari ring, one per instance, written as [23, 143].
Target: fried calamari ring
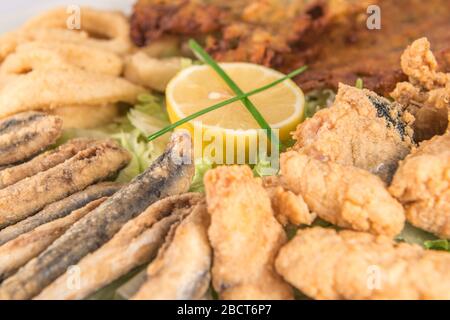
[86, 117]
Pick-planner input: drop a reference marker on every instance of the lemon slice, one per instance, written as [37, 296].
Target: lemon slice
[198, 87]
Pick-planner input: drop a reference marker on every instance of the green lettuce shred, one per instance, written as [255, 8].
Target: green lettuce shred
[318, 99]
[443, 245]
[201, 166]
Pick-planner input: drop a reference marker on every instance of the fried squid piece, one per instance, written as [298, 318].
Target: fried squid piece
[182, 269]
[346, 196]
[427, 93]
[359, 129]
[26, 134]
[422, 184]
[245, 236]
[326, 264]
[135, 244]
[96, 163]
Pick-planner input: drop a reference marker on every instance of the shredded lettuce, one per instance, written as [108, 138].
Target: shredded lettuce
[201, 166]
[318, 99]
[259, 168]
[440, 244]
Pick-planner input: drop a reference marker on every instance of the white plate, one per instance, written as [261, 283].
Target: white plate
[14, 13]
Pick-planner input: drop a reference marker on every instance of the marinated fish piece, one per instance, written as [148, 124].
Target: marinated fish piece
[26, 134]
[98, 162]
[22, 249]
[422, 185]
[359, 129]
[59, 209]
[42, 162]
[170, 174]
[326, 264]
[135, 244]
[343, 195]
[245, 236]
[181, 270]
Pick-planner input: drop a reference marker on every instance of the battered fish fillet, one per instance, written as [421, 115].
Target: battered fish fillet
[245, 236]
[26, 134]
[25, 247]
[427, 93]
[65, 87]
[96, 163]
[42, 162]
[135, 244]
[422, 185]
[346, 196]
[181, 271]
[325, 264]
[170, 174]
[360, 129]
[59, 209]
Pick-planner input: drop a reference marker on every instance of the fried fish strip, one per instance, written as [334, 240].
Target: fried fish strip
[135, 244]
[181, 271]
[98, 162]
[343, 195]
[42, 162]
[59, 209]
[22, 249]
[26, 134]
[170, 174]
[422, 184]
[325, 264]
[245, 236]
[359, 129]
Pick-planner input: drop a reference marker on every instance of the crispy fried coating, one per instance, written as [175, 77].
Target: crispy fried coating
[346, 196]
[427, 92]
[326, 264]
[359, 129]
[181, 271]
[245, 236]
[422, 184]
[98, 162]
[26, 134]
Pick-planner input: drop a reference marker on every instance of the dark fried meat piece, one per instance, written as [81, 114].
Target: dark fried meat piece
[26, 134]
[96, 163]
[359, 129]
[170, 174]
[42, 162]
[59, 209]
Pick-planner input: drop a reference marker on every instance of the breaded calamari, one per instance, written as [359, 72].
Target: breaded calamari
[359, 129]
[326, 264]
[136, 243]
[181, 271]
[422, 184]
[346, 196]
[96, 163]
[16, 253]
[170, 174]
[245, 236]
[26, 134]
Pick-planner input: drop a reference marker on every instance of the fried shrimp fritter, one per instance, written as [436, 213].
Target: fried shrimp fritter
[24, 198]
[326, 264]
[359, 129]
[343, 195]
[427, 93]
[422, 184]
[26, 134]
[245, 236]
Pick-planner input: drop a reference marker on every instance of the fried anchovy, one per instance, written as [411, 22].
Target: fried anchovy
[19, 251]
[26, 134]
[26, 197]
[42, 162]
[135, 244]
[170, 174]
[59, 209]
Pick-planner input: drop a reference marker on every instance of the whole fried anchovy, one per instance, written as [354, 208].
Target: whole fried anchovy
[26, 134]
[42, 162]
[26, 197]
[170, 174]
[59, 209]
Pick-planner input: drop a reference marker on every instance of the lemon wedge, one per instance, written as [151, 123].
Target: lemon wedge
[198, 87]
